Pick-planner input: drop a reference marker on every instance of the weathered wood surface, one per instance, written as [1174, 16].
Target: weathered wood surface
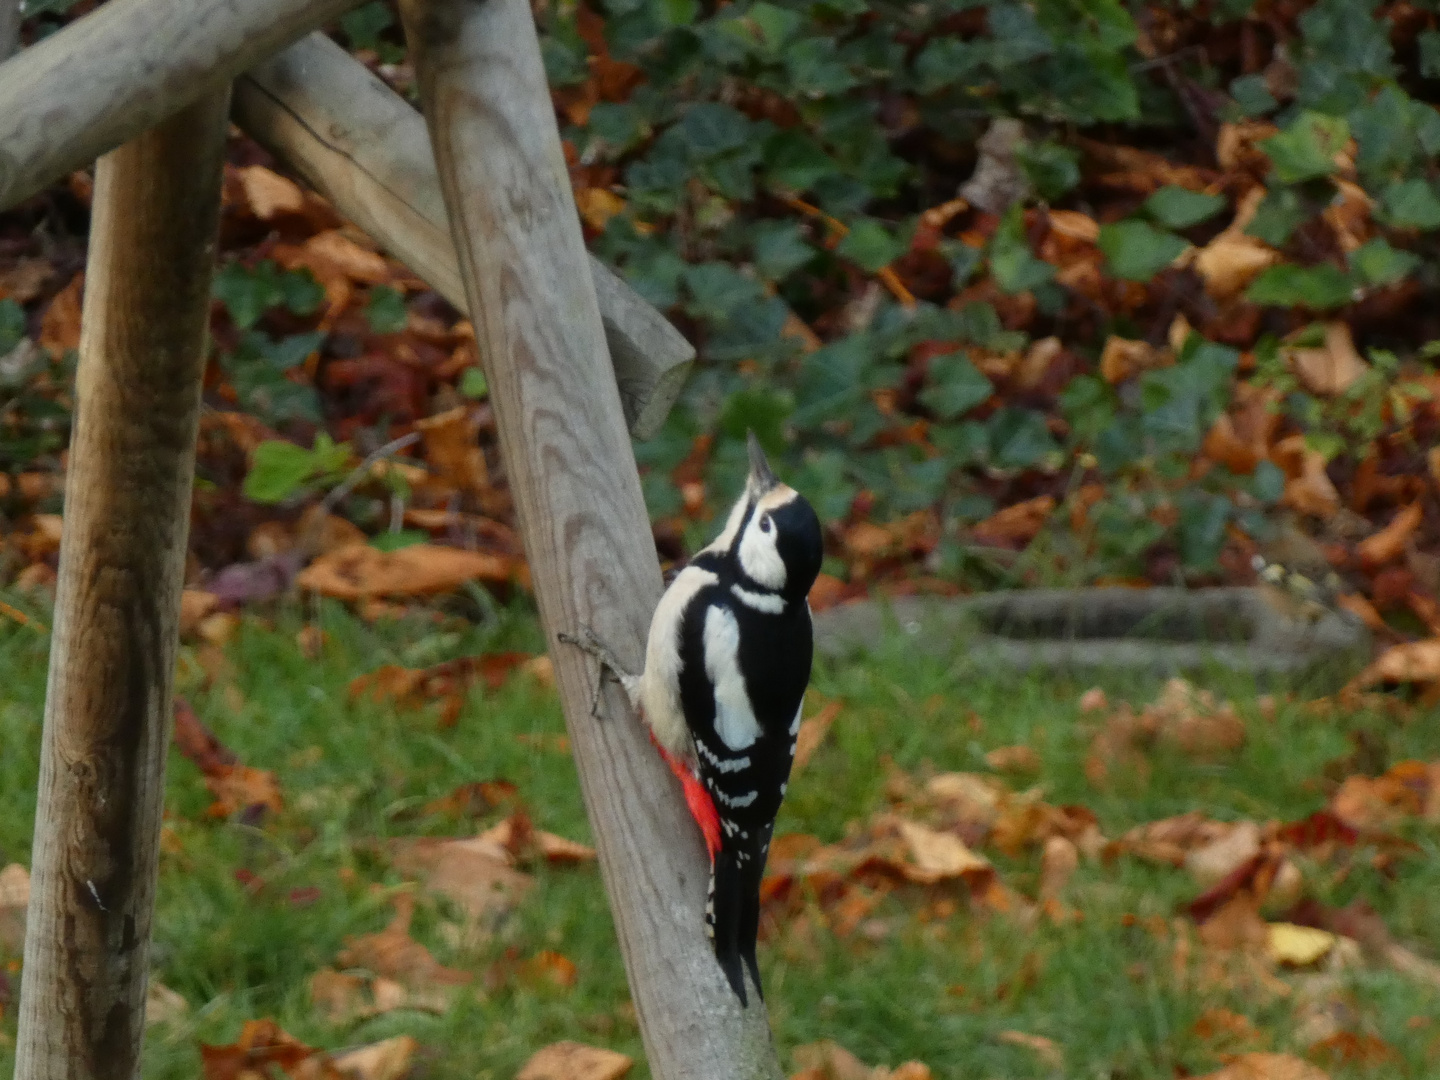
[363, 147]
[123, 68]
[581, 515]
[9, 27]
[117, 606]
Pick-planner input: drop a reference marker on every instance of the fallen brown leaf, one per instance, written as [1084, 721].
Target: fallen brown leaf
[262, 1043]
[268, 193]
[1260, 1066]
[1015, 526]
[475, 875]
[1019, 759]
[1058, 863]
[240, 788]
[394, 954]
[1413, 661]
[525, 843]
[1047, 1050]
[163, 1005]
[360, 571]
[1330, 369]
[386, 1060]
[452, 451]
[1388, 544]
[575, 1061]
[198, 743]
[1123, 359]
[14, 900]
[344, 997]
[474, 799]
[812, 733]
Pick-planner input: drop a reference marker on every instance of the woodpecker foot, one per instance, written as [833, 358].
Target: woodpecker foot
[593, 646]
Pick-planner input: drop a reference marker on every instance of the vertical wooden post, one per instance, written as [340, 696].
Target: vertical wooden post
[9, 27]
[112, 657]
[562, 433]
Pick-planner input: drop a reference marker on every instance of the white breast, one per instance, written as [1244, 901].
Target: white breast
[659, 691]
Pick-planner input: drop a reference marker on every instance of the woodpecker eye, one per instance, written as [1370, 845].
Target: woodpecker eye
[765, 524]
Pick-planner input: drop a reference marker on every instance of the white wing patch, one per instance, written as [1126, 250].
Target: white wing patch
[795, 724]
[735, 721]
[659, 691]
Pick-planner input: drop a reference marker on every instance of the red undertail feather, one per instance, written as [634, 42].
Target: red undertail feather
[702, 807]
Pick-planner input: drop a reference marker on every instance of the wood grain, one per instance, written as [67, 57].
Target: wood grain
[587, 538]
[117, 605]
[123, 68]
[363, 147]
[9, 27]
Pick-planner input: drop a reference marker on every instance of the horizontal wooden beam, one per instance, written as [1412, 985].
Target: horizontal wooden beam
[125, 67]
[362, 146]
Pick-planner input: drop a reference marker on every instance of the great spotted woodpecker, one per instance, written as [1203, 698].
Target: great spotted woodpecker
[726, 666]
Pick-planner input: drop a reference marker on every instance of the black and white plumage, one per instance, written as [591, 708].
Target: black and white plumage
[726, 665]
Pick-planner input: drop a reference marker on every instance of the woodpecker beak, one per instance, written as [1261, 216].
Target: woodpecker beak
[761, 478]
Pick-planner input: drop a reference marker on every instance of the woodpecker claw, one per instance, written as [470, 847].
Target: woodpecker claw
[594, 647]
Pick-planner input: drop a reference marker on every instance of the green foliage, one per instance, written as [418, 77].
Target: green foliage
[1308, 148]
[1138, 251]
[385, 310]
[249, 292]
[280, 469]
[1179, 208]
[1318, 288]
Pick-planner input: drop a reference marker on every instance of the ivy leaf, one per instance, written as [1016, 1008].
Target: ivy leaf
[1179, 207]
[869, 245]
[1137, 251]
[1014, 267]
[385, 310]
[1020, 438]
[1252, 95]
[779, 250]
[1307, 148]
[760, 410]
[279, 469]
[709, 128]
[955, 386]
[793, 160]
[1277, 217]
[1377, 263]
[1318, 288]
[1052, 169]
[1412, 204]
[1429, 42]
[12, 325]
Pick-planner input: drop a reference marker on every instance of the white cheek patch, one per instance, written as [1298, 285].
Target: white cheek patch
[759, 557]
[735, 721]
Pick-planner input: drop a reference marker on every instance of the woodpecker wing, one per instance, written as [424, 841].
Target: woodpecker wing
[741, 688]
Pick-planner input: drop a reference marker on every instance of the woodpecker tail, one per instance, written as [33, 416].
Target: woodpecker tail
[732, 917]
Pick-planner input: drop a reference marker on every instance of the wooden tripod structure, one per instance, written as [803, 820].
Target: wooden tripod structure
[480, 206]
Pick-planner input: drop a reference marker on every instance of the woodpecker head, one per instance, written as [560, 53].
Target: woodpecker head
[772, 533]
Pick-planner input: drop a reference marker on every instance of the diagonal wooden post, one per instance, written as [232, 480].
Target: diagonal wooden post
[562, 433]
[117, 605]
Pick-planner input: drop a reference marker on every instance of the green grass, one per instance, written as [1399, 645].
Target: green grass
[937, 991]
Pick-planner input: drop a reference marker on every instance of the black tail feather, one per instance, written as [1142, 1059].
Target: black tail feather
[724, 911]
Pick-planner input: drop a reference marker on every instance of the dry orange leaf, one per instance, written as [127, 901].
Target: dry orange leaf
[473, 874]
[344, 997]
[269, 194]
[1258, 1066]
[1047, 1050]
[1122, 358]
[1330, 369]
[263, 1043]
[938, 856]
[60, 326]
[14, 900]
[1389, 543]
[1058, 863]
[1309, 489]
[1230, 262]
[597, 206]
[1019, 759]
[385, 1060]
[575, 1061]
[828, 1060]
[1432, 460]
[360, 571]
[451, 449]
[394, 954]
[812, 733]
[1411, 661]
[240, 787]
[195, 606]
[517, 836]
[1015, 526]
